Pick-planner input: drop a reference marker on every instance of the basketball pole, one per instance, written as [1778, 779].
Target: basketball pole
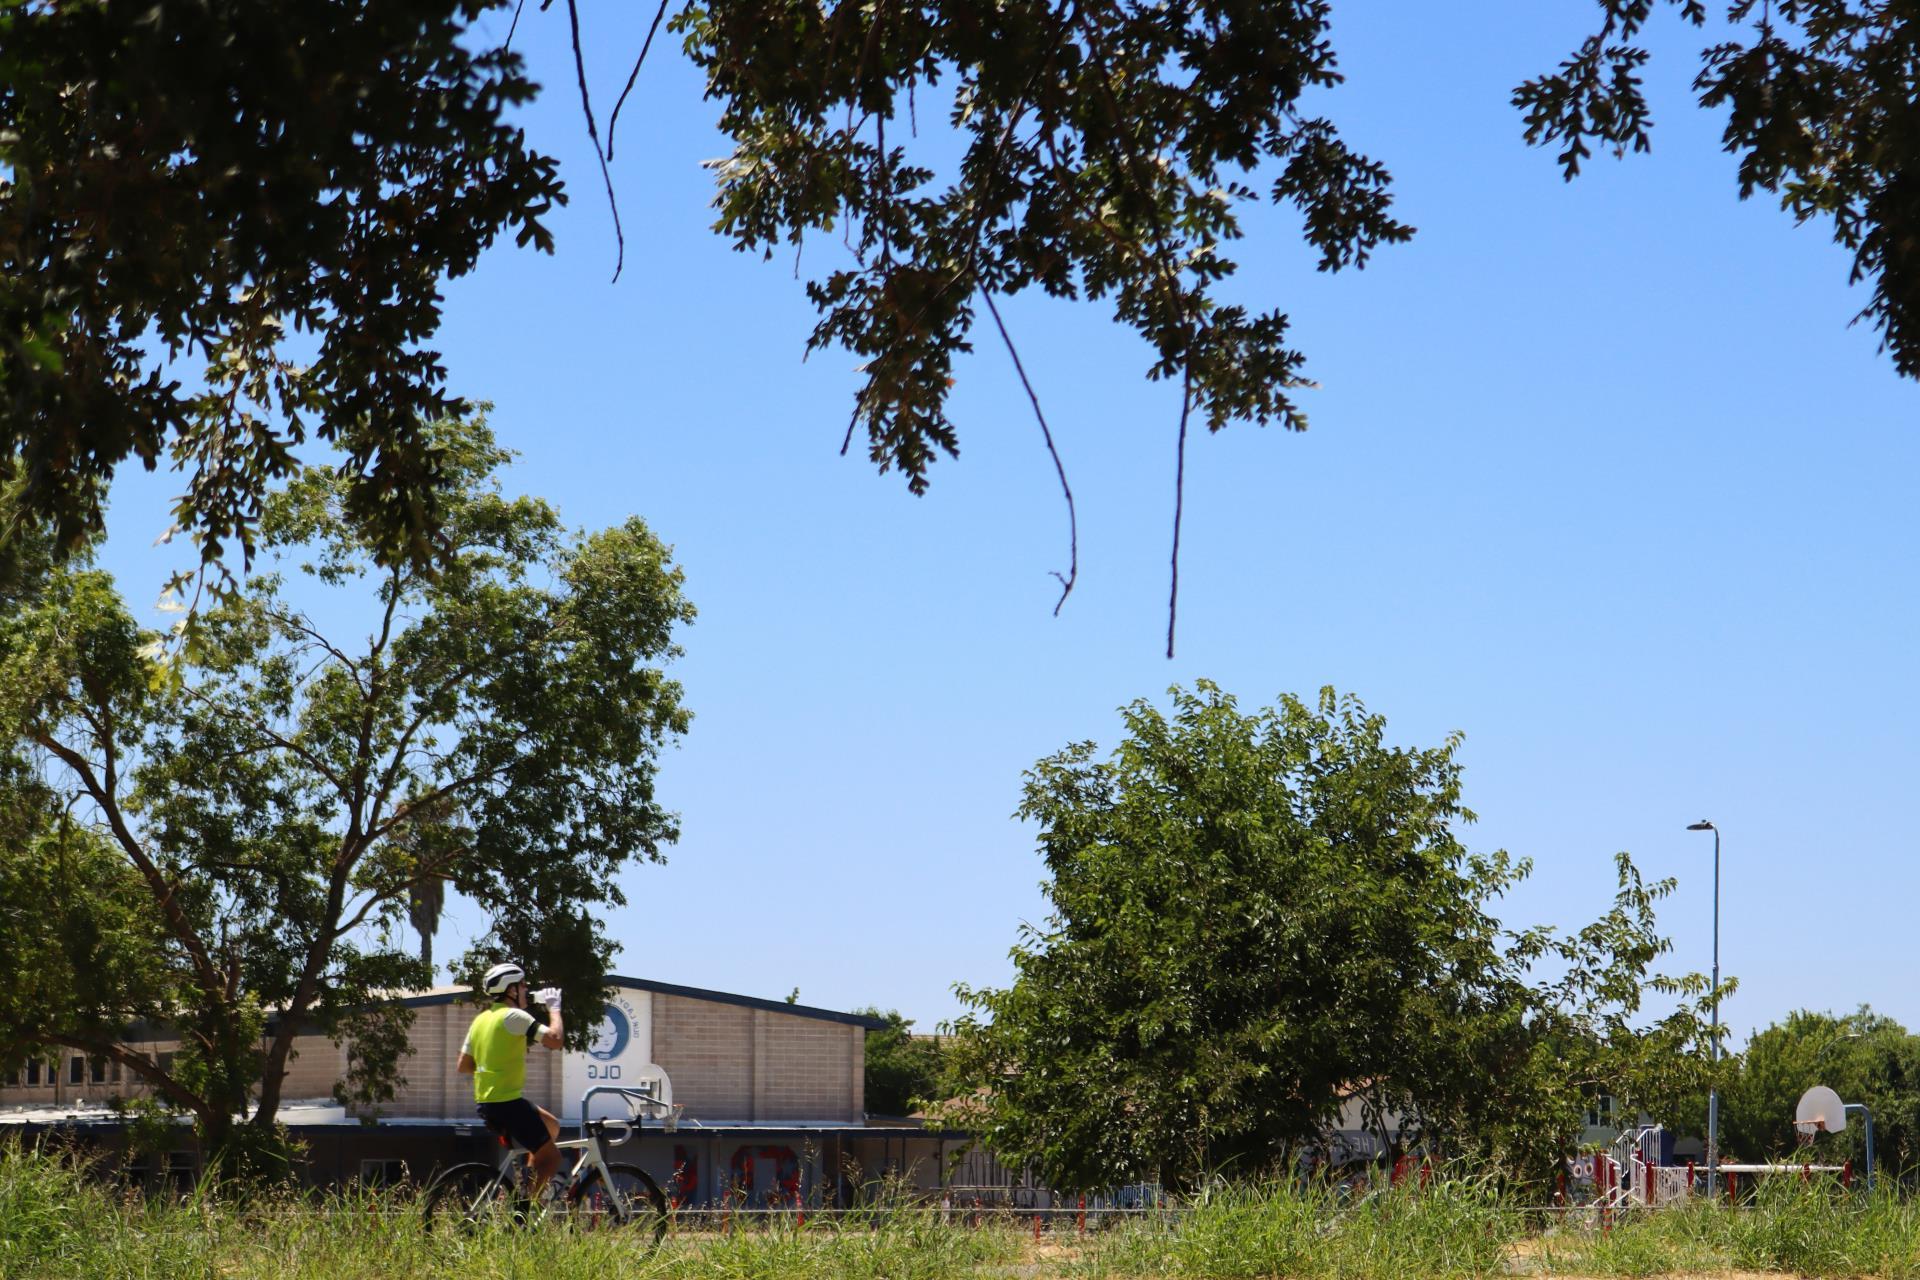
[1713, 1090]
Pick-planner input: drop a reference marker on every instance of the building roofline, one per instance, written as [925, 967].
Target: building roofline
[453, 995]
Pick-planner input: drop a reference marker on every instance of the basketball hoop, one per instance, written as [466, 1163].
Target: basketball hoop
[1819, 1111]
[670, 1122]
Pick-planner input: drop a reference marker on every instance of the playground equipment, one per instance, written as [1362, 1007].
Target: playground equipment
[1631, 1171]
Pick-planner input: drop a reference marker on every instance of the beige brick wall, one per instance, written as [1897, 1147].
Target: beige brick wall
[56, 1090]
[707, 1050]
[312, 1069]
[728, 1062]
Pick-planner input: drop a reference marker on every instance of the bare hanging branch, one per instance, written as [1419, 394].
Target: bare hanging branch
[1179, 501]
[593, 134]
[613, 121]
[514, 25]
[1073, 519]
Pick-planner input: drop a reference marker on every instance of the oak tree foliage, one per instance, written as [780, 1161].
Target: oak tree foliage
[1818, 97]
[224, 227]
[195, 192]
[225, 835]
[191, 183]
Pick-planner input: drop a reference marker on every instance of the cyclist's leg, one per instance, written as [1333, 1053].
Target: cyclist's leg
[532, 1130]
[545, 1159]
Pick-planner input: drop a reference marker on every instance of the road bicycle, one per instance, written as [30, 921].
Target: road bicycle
[593, 1193]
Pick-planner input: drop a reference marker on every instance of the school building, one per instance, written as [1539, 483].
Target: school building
[770, 1097]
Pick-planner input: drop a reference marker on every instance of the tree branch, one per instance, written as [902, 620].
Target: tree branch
[593, 133]
[136, 1062]
[1073, 519]
[177, 922]
[1179, 502]
[613, 120]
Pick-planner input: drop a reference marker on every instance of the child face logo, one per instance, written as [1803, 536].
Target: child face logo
[611, 1036]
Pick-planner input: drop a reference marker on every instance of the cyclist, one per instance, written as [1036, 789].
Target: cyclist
[495, 1055]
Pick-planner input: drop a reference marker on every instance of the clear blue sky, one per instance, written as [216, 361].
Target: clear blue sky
[1598, 474]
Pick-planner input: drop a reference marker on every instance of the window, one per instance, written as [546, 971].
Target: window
[97, 1071]
[33, 1072]
[165, 1062]
[76, 1070]
[383, 1173]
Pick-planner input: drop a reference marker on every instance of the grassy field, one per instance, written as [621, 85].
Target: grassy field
[56, 1222]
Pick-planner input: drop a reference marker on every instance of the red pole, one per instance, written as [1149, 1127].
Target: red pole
[1846, 1173]
[1426, 1171]
[1689, 1177]
[1082, 1221]
[1036, 1228]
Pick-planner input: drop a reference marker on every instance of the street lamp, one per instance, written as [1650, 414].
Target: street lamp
[1713, 1093]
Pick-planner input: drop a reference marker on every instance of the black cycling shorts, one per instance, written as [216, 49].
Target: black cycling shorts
[519, 1121]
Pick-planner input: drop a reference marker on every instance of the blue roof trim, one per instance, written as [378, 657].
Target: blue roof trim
[750, 1002]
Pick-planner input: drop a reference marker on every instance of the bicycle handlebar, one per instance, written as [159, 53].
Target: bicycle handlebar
[630, 1095]
[626, 1131]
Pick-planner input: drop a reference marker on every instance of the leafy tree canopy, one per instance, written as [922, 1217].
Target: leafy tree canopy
[227, 840]
[902, 1069]
[1258, 916]
[196, 180]
[193, 193]
[194, 188]
[1818, 96]
[1865, 1056]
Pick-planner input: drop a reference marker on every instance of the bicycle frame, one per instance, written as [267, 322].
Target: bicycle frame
[592, 1157]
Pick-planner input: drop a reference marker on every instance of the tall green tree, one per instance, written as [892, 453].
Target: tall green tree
[903, 1070]
[1865, 1056]
[232, 828]
[1255, 916]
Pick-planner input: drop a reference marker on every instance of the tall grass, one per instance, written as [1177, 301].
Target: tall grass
[1454, 1229]
[1811, 1228]
[57, 1221]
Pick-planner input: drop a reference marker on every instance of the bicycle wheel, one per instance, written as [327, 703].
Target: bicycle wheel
[466, 1195]
[639, 1205]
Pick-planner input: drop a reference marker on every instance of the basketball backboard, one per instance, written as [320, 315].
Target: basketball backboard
[1820, 1111]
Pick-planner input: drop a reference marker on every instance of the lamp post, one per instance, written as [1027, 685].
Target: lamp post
[1713, 1092]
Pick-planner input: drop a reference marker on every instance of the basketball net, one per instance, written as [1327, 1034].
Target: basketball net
[1804, 1134]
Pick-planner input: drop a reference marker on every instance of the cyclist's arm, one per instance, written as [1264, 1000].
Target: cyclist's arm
[466, 1064]
[553, 1034]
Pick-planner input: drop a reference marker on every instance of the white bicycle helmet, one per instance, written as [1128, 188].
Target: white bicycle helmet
[502, 976]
